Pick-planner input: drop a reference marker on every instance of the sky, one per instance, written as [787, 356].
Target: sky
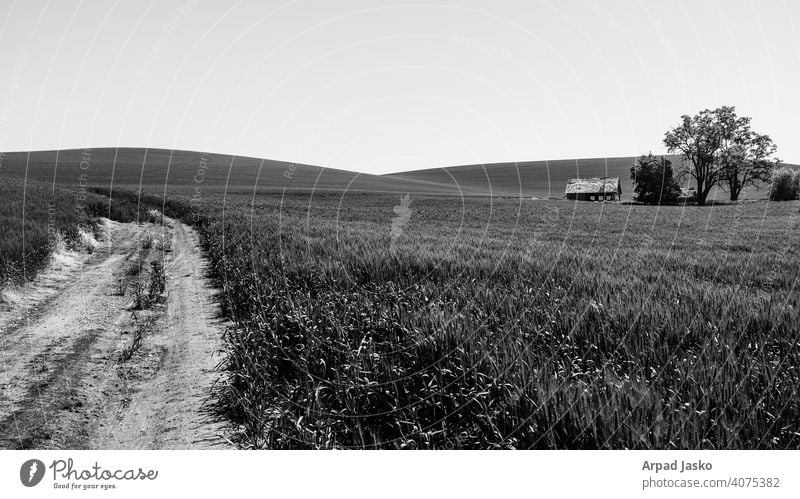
[382, 86]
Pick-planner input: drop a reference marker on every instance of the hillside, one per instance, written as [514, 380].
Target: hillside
[543, 179]
[182, 170]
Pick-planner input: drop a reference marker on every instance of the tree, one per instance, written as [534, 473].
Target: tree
[653, 180]
[785, 184]
[701, 139]
[747, 161]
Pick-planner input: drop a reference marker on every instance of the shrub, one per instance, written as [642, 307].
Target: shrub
[797, 183]
[785, 184]
[654, 182]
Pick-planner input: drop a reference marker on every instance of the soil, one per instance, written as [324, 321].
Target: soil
[84, 364]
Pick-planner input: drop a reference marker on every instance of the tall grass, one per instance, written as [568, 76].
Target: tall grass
[36, 217]
[504, 324]
[496, 324]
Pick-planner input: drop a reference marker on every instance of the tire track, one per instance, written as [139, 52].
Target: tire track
[63, 382]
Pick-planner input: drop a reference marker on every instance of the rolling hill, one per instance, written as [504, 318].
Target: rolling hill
[545, 179]
[182, 171]
[179, 171]
[542, 179]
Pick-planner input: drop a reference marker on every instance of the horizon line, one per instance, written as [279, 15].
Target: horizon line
[261, 158]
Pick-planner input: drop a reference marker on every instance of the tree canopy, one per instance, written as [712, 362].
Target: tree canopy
[654, 182]
[722, 151]
[747, 161]
[785, 184]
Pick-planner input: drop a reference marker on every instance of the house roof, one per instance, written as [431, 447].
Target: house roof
[596, 185]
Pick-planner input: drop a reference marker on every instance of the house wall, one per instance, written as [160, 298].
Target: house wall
[593, 196]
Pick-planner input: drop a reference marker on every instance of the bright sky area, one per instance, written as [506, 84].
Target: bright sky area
[380, 86]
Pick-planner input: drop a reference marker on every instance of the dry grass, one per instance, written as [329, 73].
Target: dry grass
[133, 268]
[146, 240]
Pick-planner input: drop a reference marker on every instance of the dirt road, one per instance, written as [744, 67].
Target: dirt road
[85, 363]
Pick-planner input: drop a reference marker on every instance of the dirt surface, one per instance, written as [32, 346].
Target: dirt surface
[85, 364]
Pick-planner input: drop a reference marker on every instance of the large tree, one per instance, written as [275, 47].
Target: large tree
[701, 139]
[747, 161]
[653, 180]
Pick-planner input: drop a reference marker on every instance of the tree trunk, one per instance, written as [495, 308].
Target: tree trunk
[705, 193]
[735, 189]
[703, 190]
[701, 194]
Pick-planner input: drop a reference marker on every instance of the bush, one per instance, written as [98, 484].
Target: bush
[653, 180]
[797, 183]
[785, 184]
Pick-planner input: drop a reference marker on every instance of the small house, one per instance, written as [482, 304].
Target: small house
[594, 189]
